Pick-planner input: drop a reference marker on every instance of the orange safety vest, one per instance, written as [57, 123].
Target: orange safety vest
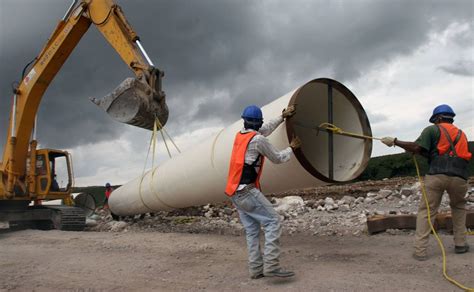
[461, 146]
[237, 161]
[108, 192]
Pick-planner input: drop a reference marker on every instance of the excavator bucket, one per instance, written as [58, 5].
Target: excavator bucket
[135, 103]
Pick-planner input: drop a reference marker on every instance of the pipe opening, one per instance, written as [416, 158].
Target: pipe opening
[329, 157]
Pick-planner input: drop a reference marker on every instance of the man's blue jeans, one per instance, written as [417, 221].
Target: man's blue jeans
[255, 211]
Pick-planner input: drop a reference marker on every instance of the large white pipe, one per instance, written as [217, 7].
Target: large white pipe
[198, 176]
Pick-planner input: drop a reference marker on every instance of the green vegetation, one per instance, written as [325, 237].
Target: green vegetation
[393, 166]
[402, 164]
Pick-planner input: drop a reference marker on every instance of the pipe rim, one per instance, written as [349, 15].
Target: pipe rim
[363, 119]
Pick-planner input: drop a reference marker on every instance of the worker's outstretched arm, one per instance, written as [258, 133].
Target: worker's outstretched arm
[265, 148]
[408, 146]
[270, 126]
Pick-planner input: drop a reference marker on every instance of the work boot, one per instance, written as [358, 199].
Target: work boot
[420, 257]
[279, 273]
[257, 276]
[461, 249]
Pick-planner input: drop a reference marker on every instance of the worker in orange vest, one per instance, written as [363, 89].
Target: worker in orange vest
[108, 192]
[446, 148]
[243, 187]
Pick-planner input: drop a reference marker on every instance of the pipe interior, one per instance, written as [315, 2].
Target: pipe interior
[350, 155]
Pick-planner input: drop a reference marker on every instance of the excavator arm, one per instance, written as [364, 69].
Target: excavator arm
[137, 101]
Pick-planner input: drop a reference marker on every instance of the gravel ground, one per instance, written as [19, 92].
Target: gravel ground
[203, 248]
[33, 260]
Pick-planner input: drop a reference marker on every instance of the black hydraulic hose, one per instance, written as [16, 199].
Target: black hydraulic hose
[26, 67]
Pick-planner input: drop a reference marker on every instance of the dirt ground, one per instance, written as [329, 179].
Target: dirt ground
[33, 260]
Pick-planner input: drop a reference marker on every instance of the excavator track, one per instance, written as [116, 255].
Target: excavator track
[68, 218]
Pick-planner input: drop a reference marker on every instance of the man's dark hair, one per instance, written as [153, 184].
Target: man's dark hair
[445, 119]
[254, 124]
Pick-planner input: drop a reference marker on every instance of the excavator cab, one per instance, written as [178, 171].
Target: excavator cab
[54, 173]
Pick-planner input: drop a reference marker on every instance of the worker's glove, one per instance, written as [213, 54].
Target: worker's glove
[389, 141]
[295, 143]
[288, 112]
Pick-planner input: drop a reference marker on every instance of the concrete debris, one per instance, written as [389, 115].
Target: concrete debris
[4, 225]
[289, 206]
[116, 226]
[91, 222]
[317, 213]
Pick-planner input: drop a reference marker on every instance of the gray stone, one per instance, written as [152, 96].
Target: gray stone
[369, 200]
[228, 211]
[371, 195]
[89, 222]
[311, 203]
[385, 193]
[359, 200]
[404, 191]
[324, 222]
[348, 199]
[116, 226]
[328, 201]
[344, 208]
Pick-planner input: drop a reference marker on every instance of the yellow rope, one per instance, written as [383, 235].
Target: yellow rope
[150, 146]
[440, 243]
[168, 135]
[339, 131]
[157, 126]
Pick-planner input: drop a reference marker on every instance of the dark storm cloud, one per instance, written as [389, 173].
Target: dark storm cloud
[460, 67]
[218, 56]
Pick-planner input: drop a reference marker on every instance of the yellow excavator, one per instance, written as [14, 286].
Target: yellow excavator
[27, 174]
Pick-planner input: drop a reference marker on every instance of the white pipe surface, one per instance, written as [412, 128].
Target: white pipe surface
[198, 176]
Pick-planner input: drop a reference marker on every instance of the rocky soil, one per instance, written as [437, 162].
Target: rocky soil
[203, 248]
[331, 210]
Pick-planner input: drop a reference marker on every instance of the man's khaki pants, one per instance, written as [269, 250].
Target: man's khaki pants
[435, 186]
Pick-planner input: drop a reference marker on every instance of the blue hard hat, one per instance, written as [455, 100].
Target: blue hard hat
[107, 185]
[442, 109]
[252, 112]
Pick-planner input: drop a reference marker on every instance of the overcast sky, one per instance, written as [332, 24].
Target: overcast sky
[400, 58]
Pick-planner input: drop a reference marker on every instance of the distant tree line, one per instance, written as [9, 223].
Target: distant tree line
[402, 164]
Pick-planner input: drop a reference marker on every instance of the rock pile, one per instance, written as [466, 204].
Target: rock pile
[345, 215]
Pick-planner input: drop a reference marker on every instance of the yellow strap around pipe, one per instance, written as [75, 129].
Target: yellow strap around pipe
[336, 130]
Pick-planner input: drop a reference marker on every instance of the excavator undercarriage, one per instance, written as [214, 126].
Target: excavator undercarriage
[19, 215]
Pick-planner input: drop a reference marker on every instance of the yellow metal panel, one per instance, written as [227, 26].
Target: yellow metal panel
[110, 21]
[36, 82]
